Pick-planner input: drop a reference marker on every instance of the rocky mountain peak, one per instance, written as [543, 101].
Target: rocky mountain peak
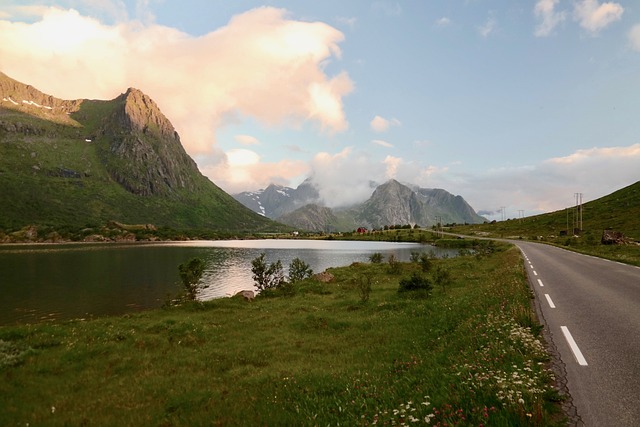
[141, 113]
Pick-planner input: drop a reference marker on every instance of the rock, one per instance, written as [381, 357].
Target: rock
[248, 295]
[610, 237]
[324, 277]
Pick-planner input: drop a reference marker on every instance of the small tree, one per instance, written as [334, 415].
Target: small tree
[190, 274]
[442, 277]
[266, 276]
[299, 270]
[394, 265]
[364, 287]
[425, 263]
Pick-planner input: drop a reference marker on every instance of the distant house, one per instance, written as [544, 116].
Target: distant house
[362, 230]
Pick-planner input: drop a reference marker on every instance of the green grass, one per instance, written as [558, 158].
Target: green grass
[321, 356]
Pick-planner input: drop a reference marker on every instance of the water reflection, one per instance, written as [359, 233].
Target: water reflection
[50, 282]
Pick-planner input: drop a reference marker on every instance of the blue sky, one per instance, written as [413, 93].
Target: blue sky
[518, 104]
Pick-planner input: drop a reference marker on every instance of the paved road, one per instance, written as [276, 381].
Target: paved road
[598, 303]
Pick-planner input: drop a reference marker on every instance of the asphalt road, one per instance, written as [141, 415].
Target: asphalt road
[598, 303]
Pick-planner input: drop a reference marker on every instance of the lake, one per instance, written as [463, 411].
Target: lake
[48, 282]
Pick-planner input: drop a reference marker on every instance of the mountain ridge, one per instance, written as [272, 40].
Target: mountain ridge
[80, 163]
[391, 203]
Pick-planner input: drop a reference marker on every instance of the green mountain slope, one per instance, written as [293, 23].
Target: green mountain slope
[619, 211]
[83, 163]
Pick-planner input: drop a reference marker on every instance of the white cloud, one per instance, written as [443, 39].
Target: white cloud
[443, 22]
[488, 27]
[246, 140]
[548, 186]
[382, 143]
[244, 170]
[262, 65]
[380, 124]
[349, 22]
[634, 37]
[547, 15]
[594, 16]
[345, 178]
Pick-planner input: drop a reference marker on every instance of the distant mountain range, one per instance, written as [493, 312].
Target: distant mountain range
[83, 163]
[391, 203]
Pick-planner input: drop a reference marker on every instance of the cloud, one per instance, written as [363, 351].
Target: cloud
[382, 143]
[262, 64]
[349, 22]
[488, 27]
[594, 16]
[443, 22]
[246, 139]
[345, 178]
[380, 124]
[547, 186]
[549, 18]
[634, 37]
[244, 170]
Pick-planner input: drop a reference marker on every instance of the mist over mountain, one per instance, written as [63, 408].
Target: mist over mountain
[391, 203]
[75, 163]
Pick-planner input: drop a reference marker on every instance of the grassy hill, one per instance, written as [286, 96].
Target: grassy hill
[618, 211]
[83, 163]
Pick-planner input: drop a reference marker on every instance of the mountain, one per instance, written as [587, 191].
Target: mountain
[313, 217]
[82, 163]
[277, 200]
[391, 203]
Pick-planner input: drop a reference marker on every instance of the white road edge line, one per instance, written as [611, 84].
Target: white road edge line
[574, 347]
[551, 304]
[540, 283]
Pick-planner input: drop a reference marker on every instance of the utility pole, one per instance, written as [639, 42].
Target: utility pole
[578, 213]
[520, 214]
[502, 208]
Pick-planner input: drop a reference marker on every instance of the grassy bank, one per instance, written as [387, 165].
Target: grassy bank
[320, 355]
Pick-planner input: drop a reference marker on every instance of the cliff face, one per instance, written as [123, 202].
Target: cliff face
[145, 153]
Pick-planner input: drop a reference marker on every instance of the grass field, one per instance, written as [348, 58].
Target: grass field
[319, 354]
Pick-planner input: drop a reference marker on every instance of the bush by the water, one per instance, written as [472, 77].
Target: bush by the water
[299, 270]
[190, 274]
[266, 276]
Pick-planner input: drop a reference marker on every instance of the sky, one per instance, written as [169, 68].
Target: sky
[515, 106]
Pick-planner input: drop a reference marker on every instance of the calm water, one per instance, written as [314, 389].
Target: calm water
[41, 283]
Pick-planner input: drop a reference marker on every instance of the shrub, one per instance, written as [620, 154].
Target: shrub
[376, 258]
[266, 276]
[190, 274]
[425, 263]
[299, 270]
[364, 287]
[442, 277]
[394, 265]
[416, 282]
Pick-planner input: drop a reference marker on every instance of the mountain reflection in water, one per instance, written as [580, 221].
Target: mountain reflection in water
[56, 282]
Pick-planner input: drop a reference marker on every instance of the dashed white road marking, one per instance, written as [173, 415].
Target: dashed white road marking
[535, 273]
[551, 304]
[574, 347]
[540, 283]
